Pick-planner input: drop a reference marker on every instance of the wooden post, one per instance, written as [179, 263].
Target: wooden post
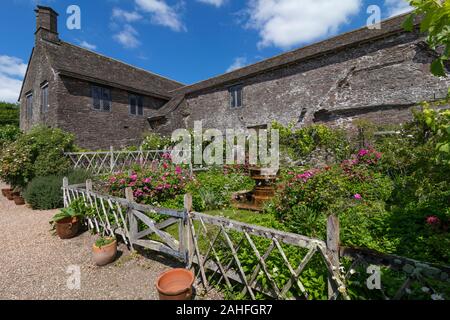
[188, 242]
[132, 221]
[333, 250]
[89, 185]
[65, 185]
[141, 156]
[111, 159]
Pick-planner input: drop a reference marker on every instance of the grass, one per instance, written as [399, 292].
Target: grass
[245, 216]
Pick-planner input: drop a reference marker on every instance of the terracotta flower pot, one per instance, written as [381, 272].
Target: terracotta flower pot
[19, 201]
[67, 228]
[6, 191]
[106, 254]
[10, 195]
[175, 284]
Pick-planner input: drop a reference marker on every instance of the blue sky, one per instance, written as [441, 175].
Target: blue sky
[185, 40]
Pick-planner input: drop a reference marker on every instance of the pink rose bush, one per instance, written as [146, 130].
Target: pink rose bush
[161, 181]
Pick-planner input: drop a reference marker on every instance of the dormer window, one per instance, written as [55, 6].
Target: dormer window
[235, 96]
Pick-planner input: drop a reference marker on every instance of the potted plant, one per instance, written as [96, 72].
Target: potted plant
[9, 194]
[6, 191]
[104, 250]
[67, 223]
[175, 284]
[17, 197]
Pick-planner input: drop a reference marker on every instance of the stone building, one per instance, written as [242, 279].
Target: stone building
[101, 100]
[377, 74]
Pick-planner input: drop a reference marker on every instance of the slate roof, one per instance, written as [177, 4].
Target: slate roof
[70, 60]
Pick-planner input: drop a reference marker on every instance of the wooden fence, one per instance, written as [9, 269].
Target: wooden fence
[100, 162]
[241, 256]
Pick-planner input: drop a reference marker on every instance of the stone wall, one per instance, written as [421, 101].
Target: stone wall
[39, 72]
[96, 129]
[380, 81]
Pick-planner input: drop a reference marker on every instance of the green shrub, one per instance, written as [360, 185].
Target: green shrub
[213, 189]
[39, 151]
[44, 193]
[9, 114]
[8, 134]
[297, 144]
[155, 141]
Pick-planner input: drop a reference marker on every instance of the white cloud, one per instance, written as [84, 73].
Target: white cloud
[162, 13]
[128, 16]
[238, 63]
[285, 23]
[127, 37]
[12, 71]
[87, 45]
[216, 3]
[396, 7]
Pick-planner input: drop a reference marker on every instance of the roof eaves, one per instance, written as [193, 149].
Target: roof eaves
[112, 84]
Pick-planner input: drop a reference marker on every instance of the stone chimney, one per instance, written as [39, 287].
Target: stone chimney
[46, 24]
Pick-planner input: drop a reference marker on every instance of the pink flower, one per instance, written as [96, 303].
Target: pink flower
[357, 196]
[133, 177]
[433, 220]
[113, 179]
[363, 152]
[122, 181]
[147, 180]
[165, 165]
[178, 170]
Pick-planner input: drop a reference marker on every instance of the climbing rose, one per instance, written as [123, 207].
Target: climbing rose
[433, 220]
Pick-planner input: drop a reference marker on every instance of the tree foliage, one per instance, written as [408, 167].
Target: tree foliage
[9, 114]
[436, 23]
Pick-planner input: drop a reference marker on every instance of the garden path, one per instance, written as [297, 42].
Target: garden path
[34, 262]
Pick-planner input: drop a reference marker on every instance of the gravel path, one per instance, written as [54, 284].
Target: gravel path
[34, 262]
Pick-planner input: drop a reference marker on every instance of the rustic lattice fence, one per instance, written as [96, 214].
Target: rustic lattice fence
[244, 258]
[100, 162]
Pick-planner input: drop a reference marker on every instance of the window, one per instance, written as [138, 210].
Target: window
[136, 105]
[101, 98]
[44, 98]
[30, 106]
[235, 96]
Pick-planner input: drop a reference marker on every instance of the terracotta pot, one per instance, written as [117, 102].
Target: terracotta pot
[19, 201]
[175, 284]
[67, 228]
[9, 195]
[6, 191]
[106, 254]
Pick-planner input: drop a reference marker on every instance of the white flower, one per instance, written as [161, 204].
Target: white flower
[408, 290]
[352, 271]
[437, 296]
[341, 289]
[425, 289]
